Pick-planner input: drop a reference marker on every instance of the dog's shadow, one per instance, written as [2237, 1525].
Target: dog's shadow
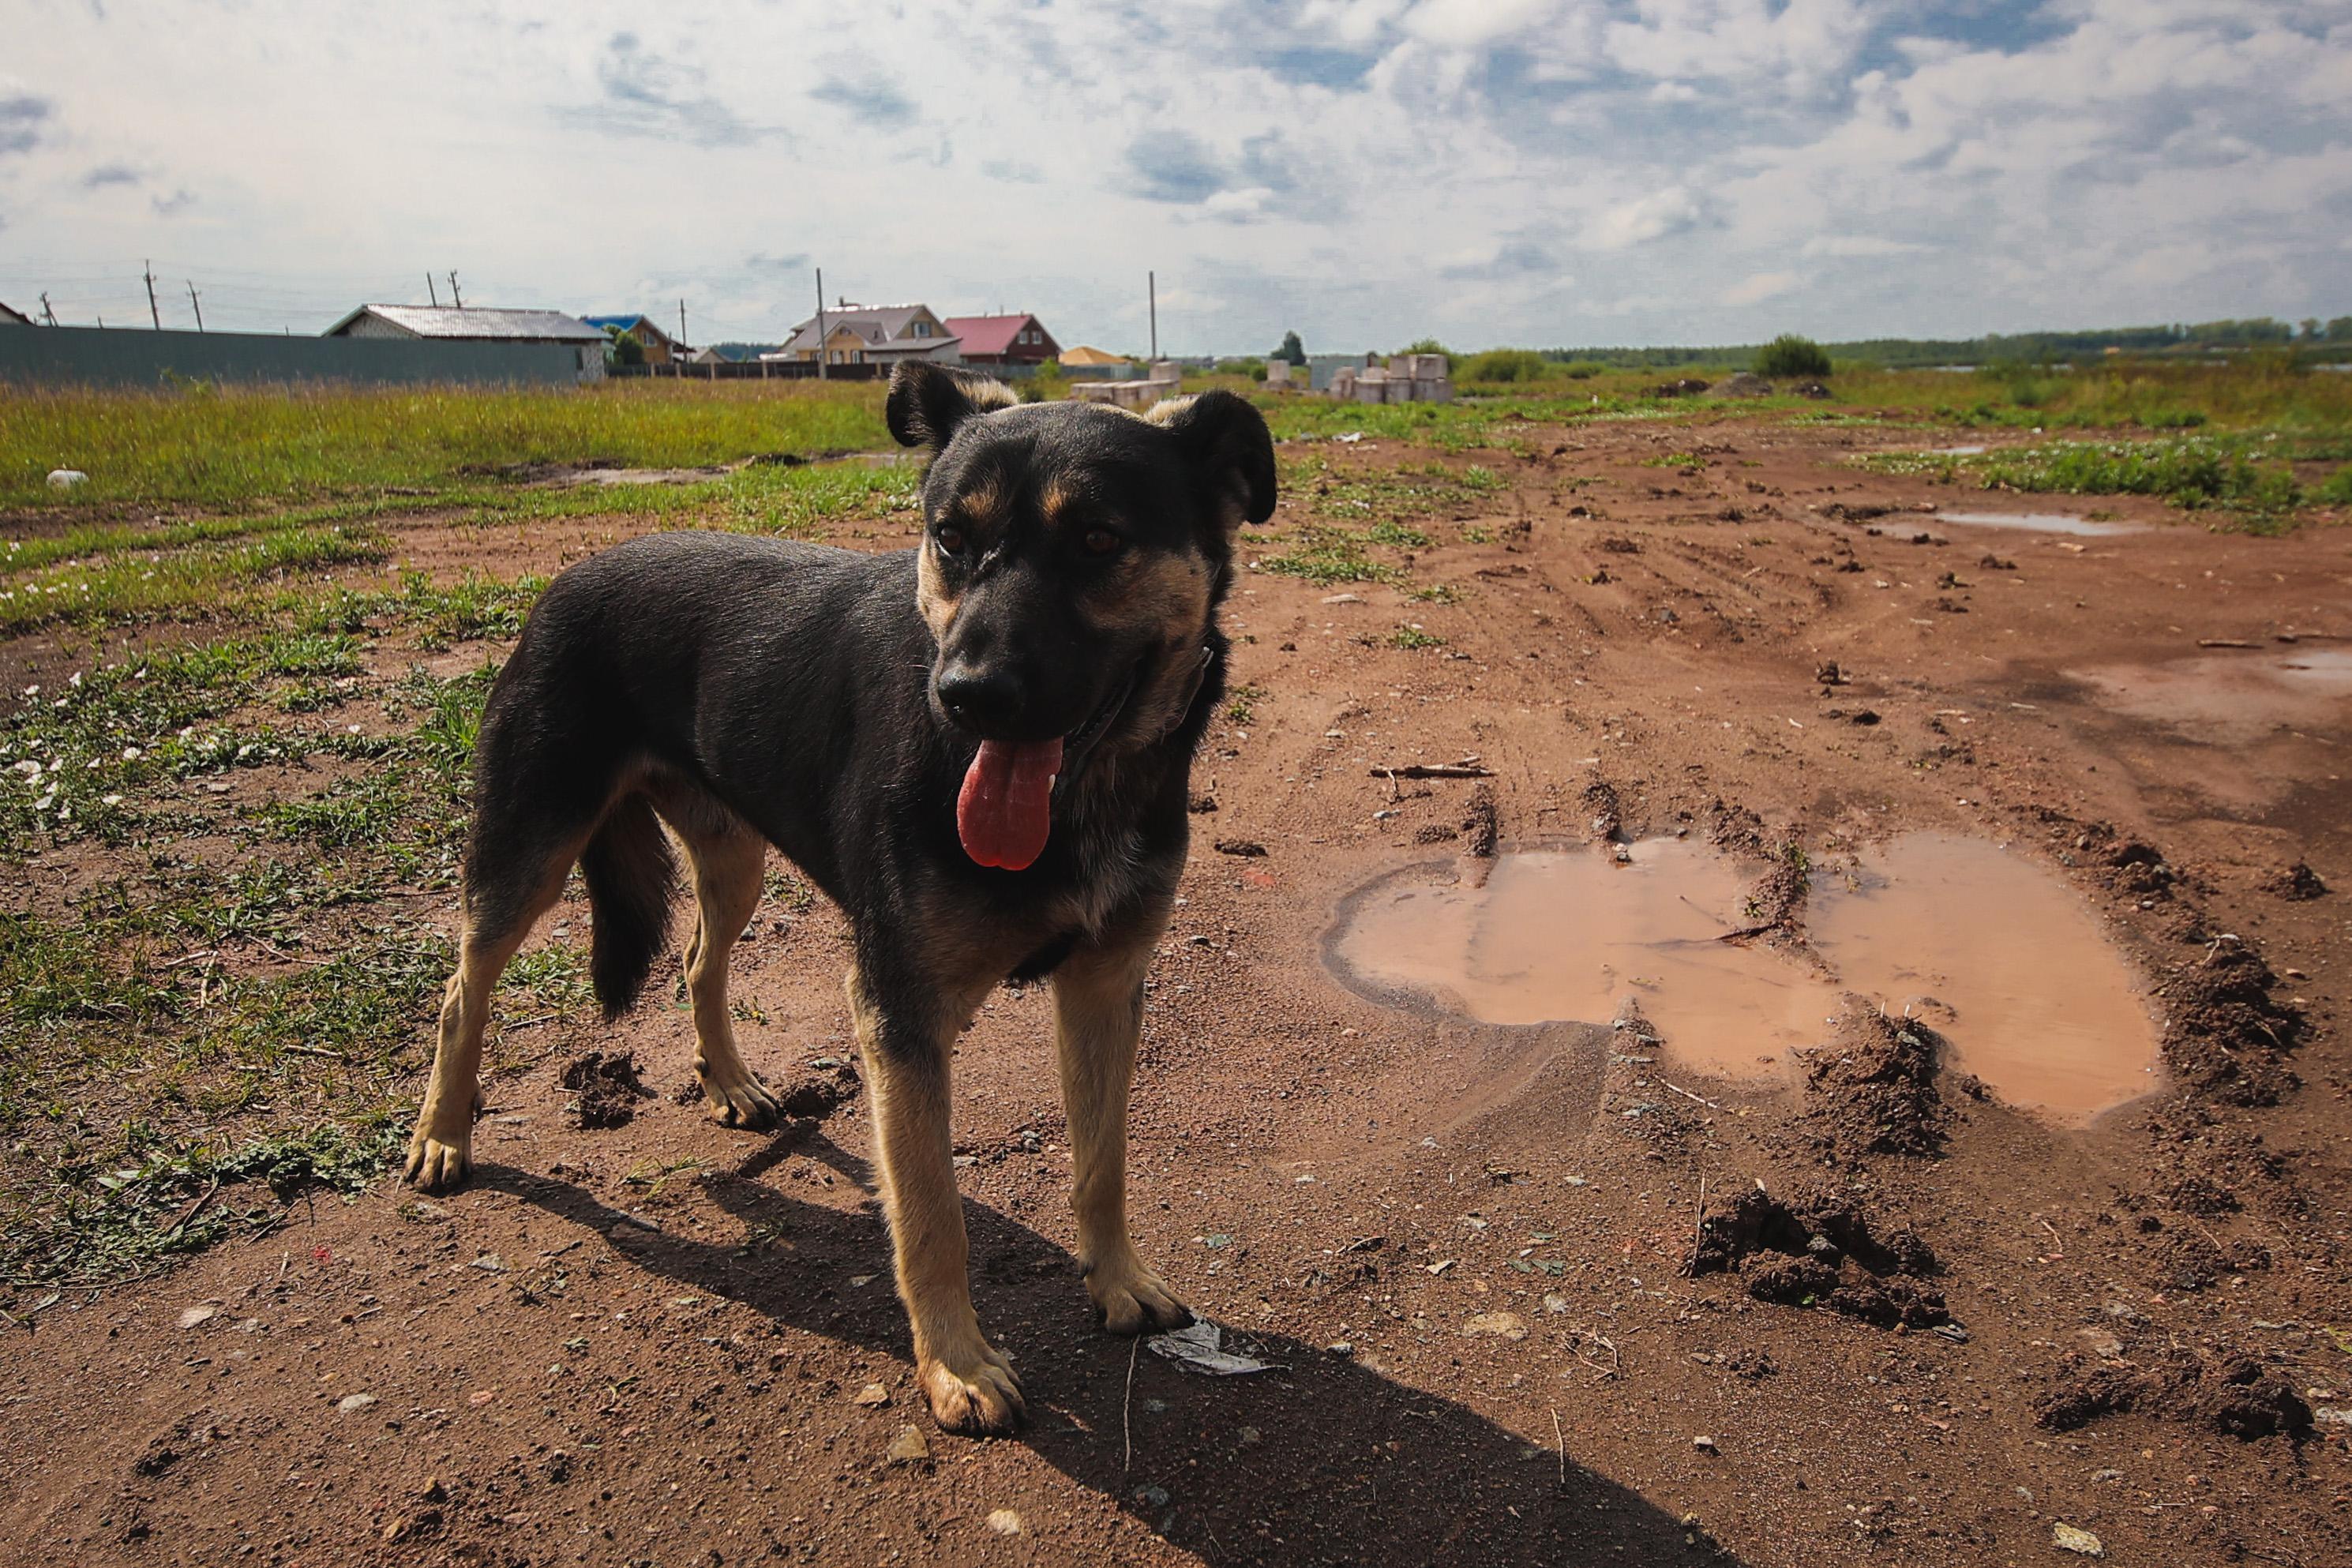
[1324, 1461]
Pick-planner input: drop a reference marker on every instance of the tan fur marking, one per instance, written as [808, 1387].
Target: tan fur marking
[937, 605]
[971, 1385]
[1097, 1021]
[727, 870]
[1164, 597]
[441, 1150]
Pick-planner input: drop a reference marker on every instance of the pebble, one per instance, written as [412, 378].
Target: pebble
[1505, 1325]
[1340, 1348]
[1705, 1445]
[908, 1447]
[350, 1402]
[1004, 1521]
[67, 478]
[873, 1397]
[2066, 1538]
[196, 1316]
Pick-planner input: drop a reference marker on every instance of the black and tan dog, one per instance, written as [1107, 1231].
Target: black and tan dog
[978, 749]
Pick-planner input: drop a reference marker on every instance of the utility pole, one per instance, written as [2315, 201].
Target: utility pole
[431, 292]
[1151, 285]
[820, 323]
[52, 315]
[152, 314]
[194, 306]
[681, 323]
[454, 298]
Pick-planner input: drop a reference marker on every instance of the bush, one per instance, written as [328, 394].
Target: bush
[1503, 365]
[2337, 489]
[1789, 354]
[1582, 369]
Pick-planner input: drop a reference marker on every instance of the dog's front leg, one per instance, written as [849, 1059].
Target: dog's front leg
[907, 1041]
[1097, 1022]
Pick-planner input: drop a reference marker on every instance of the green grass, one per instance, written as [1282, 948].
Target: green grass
[2228, 473]
[231, 448]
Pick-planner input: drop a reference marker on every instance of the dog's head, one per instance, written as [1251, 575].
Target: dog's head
[1072, 556]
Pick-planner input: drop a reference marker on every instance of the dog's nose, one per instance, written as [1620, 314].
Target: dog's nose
[981, 697]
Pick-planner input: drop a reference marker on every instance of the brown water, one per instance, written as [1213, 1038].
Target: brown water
[1551, 935]
[1995, 954]
[2001, 958]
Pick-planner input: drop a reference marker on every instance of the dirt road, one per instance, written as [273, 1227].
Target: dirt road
[1907, 1322]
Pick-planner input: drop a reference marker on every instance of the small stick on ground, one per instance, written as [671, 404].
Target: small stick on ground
[1434, 771]
[1127, 1411]
[314, 1051]
[1560, 1438]
[194, 1209]
[1699, 1221]
[1686, 1094]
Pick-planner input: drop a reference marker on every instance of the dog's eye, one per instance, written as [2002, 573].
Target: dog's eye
[950, 539]
[1101, 541]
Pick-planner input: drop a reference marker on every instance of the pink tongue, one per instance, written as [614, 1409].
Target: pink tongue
[1006, 806]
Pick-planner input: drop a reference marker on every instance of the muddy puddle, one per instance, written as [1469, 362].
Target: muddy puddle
[2001, 958]
[1552, 935]
[2040, 522]
[2233, 695]
[1994, 953]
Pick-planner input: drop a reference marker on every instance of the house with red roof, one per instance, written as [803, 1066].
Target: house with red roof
[1003, 340]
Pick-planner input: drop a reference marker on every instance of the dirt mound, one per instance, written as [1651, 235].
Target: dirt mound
[1872, 1089]
[1481, 823]
[2234, 1395]
[2298, 882]
[608, 1086]
[1817, 1250]
[2228, 1035]
[822, 1086]
[1744, 384]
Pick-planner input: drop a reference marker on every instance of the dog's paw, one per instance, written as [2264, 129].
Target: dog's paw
[975, 1393]
[744, 1101]
[436, 1164]
[1129, 1298]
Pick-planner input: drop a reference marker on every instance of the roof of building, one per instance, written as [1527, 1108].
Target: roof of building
[875, 323]
[1087, 353]
[476, 322]
[634, 322]
[991, 334]
[19, 317]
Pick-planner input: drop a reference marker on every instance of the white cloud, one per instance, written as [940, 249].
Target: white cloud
[1645, 218]
[1364, 170]
[1759, 287]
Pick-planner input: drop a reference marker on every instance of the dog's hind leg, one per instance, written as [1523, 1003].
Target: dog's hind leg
[1097, 1022]
[907, 1033]
[503, 900]
[727, 868]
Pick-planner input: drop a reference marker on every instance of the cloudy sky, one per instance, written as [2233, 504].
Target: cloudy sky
[1537, 172]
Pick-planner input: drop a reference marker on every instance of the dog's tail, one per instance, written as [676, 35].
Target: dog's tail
[632, 876]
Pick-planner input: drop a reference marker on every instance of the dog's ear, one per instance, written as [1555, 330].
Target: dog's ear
[1227, 439]
[928, 402]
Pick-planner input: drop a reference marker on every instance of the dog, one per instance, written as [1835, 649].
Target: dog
[979, 749]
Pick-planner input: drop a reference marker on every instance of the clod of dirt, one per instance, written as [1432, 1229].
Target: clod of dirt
[1829, 674]
[1436, 833]
[2228, 1035]
[1202, 805]
[1687, 386]
[2236, 1396]
[819, 1088]
[1601, 800]
[1246, 849]
[1995, 563]
[1872, 1088]
[1744, 384]
[1817, 1250]
[2298, 882]
[608, 1086]
[1480, 824]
